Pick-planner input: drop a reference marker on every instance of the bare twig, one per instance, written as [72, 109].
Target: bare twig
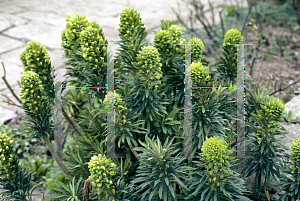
[222, 23]
[249, 11]
[269, 81]
[260, 78]
[276, 83]
[280, 89]
[11, 103]
[8, 86]
[198, 35]
[134, 152]
[19, 83]
[254, 56]
[212, 12]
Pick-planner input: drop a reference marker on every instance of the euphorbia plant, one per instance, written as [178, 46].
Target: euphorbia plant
[102, 170]
[149, 88]
[290, 177]
[268, 153]
[160, 172]
[36, 106]
[213, 179]
[228, 66]
[14, 178]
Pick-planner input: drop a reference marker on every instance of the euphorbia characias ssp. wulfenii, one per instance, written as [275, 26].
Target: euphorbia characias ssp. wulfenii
[228, 66]
[215, 156]
[201, 78]
[102, 171]
[290, 180]
[119, 106]
[176, 33]
[32, 92]
[93, 44]
[295, 159]
[150, 70]
[268, 115]
[36, 58]
[71, 33]
[129, 21]
[6, 154]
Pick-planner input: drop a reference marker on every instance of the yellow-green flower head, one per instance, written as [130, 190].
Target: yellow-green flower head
[232, 36]
[35, 57]
[273, 108]
[70, 34]
[163, 38]
[129, 20]
[197, 47]
[149, 60]
[176, 33]
[214, 151]
[119, 106]
[295, 151]
[182, 43]
[102, 170]
[32, 92]
[93, 44]
[6, 154]
[200, 74]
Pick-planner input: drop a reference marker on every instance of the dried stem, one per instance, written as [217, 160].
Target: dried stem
[56, 157]
[134, 152]
[284, 88]
[249, 11]
[198, 35]
[269, 81]
[254, 56]
[222, 23]
[8, 86]
[11, 103]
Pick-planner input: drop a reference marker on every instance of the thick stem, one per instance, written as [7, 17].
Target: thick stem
[56, 158]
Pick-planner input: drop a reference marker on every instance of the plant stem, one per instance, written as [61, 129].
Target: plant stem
[56, 157]
[8, 86]
[249, 11]
[284, 88]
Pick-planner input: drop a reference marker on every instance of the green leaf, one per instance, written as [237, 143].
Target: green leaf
[147, 92]
[172, 190]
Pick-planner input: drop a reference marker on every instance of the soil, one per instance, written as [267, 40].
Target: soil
[268, 67]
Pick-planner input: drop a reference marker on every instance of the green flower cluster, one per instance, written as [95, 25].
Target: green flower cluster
[35, 58]
[71, 33]
[201, 78]
[168, 39]
[102, 170]
[214, 151]
[176, 33]
[216, 156]
[232, 36]
[6, 155]
[92, 39]
[150, 66]
[200, 74]
[295, 158]
[118, 106]
[129, 20]
[31, 93]
[197, 48]
[163, 40]
[295, 155]
[273, 109]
